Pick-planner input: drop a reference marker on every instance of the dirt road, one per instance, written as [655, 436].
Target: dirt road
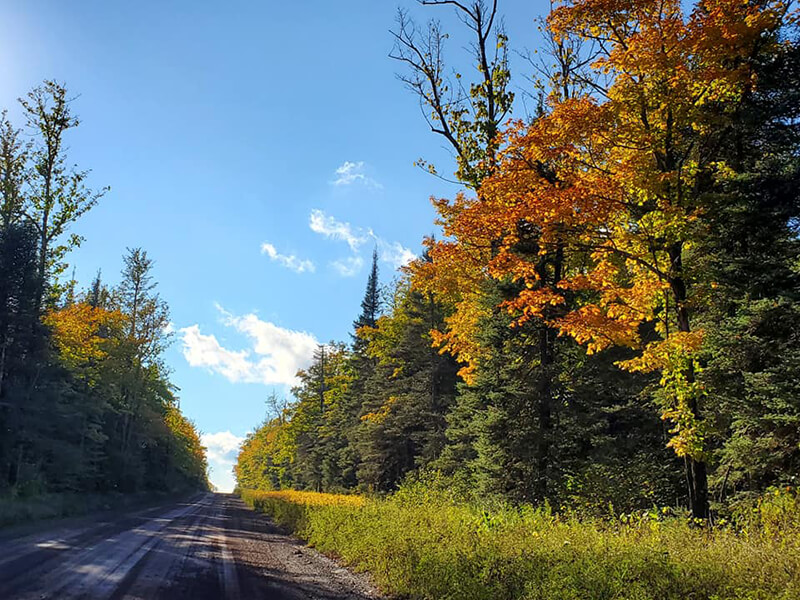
[209, 547]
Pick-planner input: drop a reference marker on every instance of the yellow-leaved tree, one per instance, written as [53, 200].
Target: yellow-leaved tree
[85, 335]
[609, 185]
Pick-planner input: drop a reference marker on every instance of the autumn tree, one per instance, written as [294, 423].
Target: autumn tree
[476, 332]
[145, 338]
[617, 178]
[466, 113]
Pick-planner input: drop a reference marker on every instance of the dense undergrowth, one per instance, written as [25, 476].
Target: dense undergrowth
[423, 543]
[15, 511]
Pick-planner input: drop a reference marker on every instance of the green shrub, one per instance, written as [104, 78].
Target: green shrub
[50, 506]
[423, 543]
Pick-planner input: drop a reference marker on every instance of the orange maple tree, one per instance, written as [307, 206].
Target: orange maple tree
[609, 186]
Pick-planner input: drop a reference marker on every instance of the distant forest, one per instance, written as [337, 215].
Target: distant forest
[610, 315]
[86, 404]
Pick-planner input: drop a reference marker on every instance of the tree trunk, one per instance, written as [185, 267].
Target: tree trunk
[696, 470]
[547, 344]
[3, 363]
[545, 412]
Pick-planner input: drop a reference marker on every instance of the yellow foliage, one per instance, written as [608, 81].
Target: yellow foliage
[382, 413]
[83, 333]
[306, 498]
[611, 183]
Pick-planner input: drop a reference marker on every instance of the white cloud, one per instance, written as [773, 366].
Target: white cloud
[326, 225]
[394, 253]
[274, 358]
[221, 449]
[354, 172]
[285, 351]
[290, 261]
[201, 350]
[347, 267]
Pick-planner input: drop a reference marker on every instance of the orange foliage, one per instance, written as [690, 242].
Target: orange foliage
[611, 181]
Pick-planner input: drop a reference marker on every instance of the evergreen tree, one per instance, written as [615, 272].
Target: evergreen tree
[23, 346]
[753, 363]
[370, 306]
[407, 394]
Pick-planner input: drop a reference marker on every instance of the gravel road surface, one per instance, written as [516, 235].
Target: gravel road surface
[211, 546]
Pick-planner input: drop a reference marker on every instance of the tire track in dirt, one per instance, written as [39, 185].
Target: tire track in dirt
[209, 548]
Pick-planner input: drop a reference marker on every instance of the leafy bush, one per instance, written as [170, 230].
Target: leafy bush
[424, 543]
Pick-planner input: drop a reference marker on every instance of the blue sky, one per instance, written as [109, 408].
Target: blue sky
[258, 151]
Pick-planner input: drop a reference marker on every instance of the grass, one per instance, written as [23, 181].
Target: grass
[422, 543]
[15, 511]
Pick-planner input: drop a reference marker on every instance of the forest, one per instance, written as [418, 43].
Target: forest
[608, 319]
[86, 404]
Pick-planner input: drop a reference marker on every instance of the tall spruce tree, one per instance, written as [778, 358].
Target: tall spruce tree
[408, 393]
[753, 357]
[370, 306]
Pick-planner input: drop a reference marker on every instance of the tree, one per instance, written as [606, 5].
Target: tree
[750, 358]
[146, 337]
[23, 345]
[468, 118]
[456, 271]
[407, 394]
[83, 333]
[616, 179]
[319, 422]
[58, 195]
[85, 404]
[370, 305]
[13, 162]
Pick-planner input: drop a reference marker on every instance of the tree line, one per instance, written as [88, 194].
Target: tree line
[86, 404]
[610, 313]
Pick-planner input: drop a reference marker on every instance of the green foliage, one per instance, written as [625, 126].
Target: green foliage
[536, 420]
[407, 395]
[85, 402]
[56, 194]
[362, 418]
[422, 543]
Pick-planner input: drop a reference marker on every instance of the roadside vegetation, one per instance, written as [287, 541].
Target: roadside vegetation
[423, 543]
[611, 313]
[606, 323]
[15, 510]
[87, 411]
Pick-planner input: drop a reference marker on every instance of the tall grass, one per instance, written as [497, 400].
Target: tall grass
[422, 543]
